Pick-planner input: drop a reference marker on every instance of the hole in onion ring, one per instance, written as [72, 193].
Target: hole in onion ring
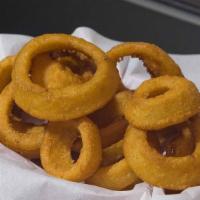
[75, 156]
[18, 116]
[76, 145]
[78, 62]
[76, 148]
[139, 69]
[68, 67]
[37, 162]
[177, 141]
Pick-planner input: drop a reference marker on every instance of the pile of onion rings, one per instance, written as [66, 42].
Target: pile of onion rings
[63, 105]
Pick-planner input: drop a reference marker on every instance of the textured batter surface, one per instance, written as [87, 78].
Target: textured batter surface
[56, 149]
[161, 102]
[175, 173]
[23, 138]
[71, 101]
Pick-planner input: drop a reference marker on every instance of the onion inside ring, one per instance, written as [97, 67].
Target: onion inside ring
[71, 101]
[161, 169]
[114, 173]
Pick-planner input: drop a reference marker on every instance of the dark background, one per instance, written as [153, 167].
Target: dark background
[115, 19]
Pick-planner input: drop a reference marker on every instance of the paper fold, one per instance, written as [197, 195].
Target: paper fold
[21, 179]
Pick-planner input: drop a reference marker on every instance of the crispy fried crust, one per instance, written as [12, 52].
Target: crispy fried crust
[6, 66]
[175, 173]
[157, 61]
[71, 101]
[161, 102]
[21, 137]
[56, 149]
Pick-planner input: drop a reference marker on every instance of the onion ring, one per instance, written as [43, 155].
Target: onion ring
[22, 137]
[72, 101]
[115, 174]
[161, 102]
[6, 66]
[55, 150]
[157, 61]
[162, 170]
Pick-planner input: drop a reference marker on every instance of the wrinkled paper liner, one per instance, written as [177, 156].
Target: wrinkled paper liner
[21, 179]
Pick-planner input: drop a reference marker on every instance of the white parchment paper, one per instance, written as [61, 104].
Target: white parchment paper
[20, 179]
